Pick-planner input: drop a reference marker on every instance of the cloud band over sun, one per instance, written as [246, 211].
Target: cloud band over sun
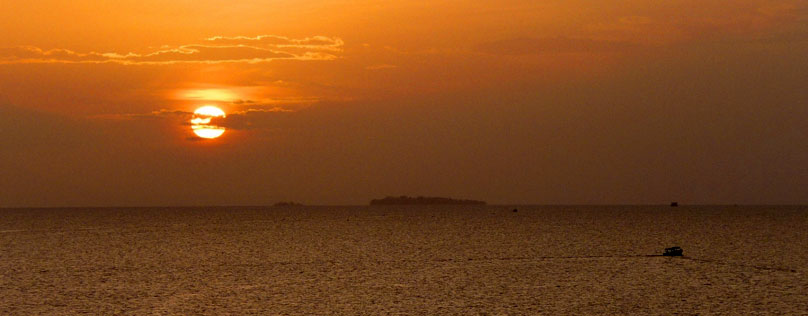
[218, 49]
[253, 118]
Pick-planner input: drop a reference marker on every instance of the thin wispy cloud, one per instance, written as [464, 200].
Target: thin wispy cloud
[319, 43]
[219, 49]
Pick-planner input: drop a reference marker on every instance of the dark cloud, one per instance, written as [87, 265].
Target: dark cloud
[194, 139]
[162, 113]
[241, 102]
[253, 119]
[256, 118]
[24, 128]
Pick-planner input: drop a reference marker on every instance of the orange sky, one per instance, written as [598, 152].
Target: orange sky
[338, 102]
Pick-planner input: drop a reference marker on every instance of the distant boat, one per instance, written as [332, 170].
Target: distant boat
[673, 252]
[674, 204]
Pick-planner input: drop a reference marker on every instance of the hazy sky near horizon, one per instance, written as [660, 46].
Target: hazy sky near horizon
[339, 102]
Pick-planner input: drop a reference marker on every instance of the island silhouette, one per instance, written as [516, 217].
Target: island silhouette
[284, 204]
[423, 200]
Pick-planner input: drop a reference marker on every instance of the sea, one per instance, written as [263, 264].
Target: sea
[408, 260]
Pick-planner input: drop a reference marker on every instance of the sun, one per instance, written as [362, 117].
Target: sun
[201, 122]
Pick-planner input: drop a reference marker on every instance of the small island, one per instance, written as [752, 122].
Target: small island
[423, 200]
[284, 204]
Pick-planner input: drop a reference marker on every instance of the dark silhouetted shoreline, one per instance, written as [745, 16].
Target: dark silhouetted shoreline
[423, 200]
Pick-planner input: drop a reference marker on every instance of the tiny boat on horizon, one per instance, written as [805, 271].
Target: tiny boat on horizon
[673, 252]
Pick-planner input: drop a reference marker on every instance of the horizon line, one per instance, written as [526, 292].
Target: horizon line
[393, 205]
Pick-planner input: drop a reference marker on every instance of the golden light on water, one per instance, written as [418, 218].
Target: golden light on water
[201, 122]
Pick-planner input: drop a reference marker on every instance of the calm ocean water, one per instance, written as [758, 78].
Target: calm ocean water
[404, 260]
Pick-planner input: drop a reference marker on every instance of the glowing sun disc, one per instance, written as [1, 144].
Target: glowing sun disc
[201, 122]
